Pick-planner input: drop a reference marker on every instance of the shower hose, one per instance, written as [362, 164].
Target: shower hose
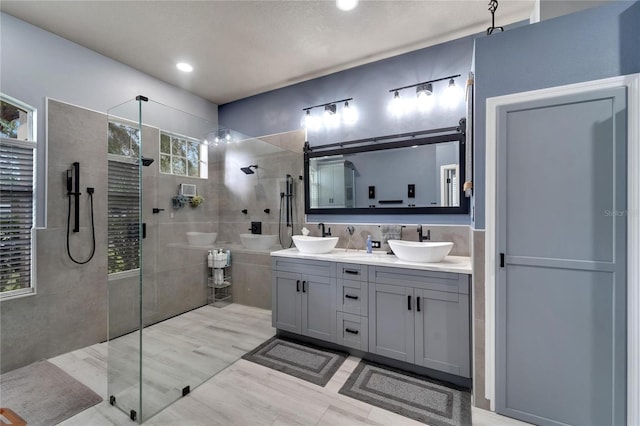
[93, 233]
[280, 220]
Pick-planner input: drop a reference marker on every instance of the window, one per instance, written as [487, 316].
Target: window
[123, 199]
[123, 220]
[123, 140]
[17, 183]
[182, 156]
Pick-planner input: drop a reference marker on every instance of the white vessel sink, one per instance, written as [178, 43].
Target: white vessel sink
[414, 251]
[201, 238]
[258, 241]
[314, 245]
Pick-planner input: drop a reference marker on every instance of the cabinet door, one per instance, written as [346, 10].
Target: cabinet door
[319, 307]
[287, 296]
[442, 331]
[338, 186]
[391, 322]
[325, 186]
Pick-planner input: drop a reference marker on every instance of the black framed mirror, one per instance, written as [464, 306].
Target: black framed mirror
[411, 173]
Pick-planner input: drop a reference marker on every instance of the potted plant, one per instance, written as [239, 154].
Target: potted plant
[196, 200]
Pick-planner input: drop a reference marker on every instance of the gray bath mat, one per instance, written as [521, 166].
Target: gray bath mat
[304, 361]
[428, 401]
[43, 394]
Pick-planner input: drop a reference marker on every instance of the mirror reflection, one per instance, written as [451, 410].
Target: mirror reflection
[412, 176]
[412, 173]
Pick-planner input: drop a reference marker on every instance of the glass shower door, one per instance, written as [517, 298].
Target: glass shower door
[158, 158]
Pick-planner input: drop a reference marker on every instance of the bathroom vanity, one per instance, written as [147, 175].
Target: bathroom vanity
[417, 313]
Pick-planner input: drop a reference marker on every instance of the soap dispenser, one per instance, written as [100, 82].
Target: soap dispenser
[369, 244]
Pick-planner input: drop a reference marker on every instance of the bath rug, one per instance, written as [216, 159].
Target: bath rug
[429, 401]
[43, 394]
[304, 361]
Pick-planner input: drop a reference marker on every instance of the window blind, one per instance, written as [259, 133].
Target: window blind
[123, 217]
[16, 213]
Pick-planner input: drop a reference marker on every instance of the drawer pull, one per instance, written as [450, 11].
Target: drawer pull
[349, 296]
[352, 271]
[351, 330]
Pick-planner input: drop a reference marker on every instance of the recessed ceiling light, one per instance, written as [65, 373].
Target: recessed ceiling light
[346, 5]
[183, 66]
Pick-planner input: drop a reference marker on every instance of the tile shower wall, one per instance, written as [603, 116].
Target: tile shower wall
[276, 156]
[72, 303]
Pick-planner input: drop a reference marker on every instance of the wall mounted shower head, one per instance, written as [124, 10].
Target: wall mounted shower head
[247, 170]
[146, 161]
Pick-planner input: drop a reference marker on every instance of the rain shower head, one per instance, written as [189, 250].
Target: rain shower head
[247, 170]
[146, 161]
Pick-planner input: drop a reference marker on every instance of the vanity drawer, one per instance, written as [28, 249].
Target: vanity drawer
[352, 297]
[304, 266]
[353, 331]
[351, 271]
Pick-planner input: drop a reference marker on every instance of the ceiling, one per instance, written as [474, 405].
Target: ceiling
[241, 48]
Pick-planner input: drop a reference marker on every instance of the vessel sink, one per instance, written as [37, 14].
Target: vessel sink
[258, 241]
[201, 238]
[314, 245]
[414, 251]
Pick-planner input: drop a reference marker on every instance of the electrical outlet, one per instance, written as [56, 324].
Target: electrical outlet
[375, 244]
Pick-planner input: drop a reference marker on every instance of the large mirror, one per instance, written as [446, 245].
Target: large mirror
[417, 173]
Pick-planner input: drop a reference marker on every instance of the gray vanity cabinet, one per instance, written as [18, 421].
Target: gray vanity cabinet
[420, 317]
[391, 322]
[352, 306]
[442, 331]
[304, 297]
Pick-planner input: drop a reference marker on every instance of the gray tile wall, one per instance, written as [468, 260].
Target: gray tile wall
[74, 302]
[477, 319]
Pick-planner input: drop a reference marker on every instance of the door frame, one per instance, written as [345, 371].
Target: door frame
[632, 83]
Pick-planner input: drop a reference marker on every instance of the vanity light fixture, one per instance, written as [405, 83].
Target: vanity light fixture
[424, 95]
[184, 67]
[330, 116]
[346, 5]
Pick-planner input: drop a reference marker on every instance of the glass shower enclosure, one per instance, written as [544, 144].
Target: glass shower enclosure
[158, 159]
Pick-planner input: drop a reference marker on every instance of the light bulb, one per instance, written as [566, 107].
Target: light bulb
[397, 106]
[228, 136]
[346, 5]
[217, 139]
[330, 116]
[425, 98]
[452, 95]
[349, 113]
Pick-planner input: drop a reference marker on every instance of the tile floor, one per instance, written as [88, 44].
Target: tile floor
[244, 393]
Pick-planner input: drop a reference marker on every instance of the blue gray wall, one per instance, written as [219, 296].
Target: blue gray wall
[592, 44]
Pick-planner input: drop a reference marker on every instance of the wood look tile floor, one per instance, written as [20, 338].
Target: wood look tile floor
[243, 393]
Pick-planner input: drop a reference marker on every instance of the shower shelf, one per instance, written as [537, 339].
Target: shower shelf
[219, 294]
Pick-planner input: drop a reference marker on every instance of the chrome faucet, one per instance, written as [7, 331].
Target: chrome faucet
[425, 237]
[324, 234]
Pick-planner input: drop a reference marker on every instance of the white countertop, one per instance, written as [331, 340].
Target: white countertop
[455, 264]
